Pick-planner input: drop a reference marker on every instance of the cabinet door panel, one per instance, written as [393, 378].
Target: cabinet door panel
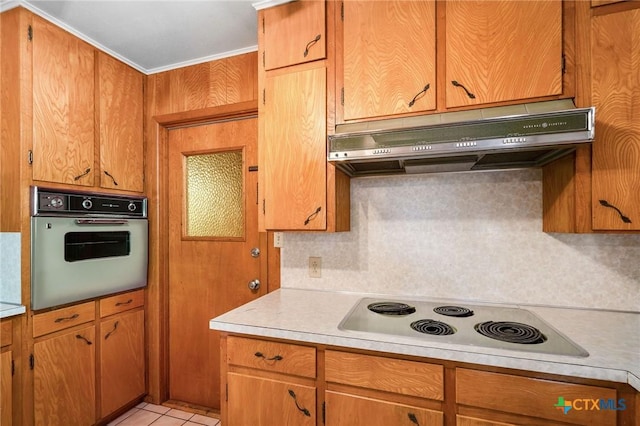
[495, 51]
[295, 150]
[289, 33]
[351, 410]
[121, 360]
[121, 145]
[64, 379]
[616, 96]
[5, 388]
[63, 106]
[266, 402]
[389, 58]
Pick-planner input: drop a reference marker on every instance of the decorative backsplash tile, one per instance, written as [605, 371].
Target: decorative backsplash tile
[10, 290]
[474, 236]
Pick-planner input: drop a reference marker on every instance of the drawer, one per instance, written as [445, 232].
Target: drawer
[534, 397]
[6, 333]
[277, 357]
[121, 302]
[63, 318]
[386, 374]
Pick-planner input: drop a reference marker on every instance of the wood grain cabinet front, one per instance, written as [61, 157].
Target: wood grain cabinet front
[64, 378]
[63, 106]
[272, 356]
[294, 33]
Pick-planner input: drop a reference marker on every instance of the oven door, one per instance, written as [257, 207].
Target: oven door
[74, 259]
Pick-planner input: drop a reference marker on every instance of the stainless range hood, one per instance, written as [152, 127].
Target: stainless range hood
[516, 136]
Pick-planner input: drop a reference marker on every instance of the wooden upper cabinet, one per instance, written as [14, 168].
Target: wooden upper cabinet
[120, 104]
[502, 51]
[294, 154]
[389, 56]
[294, 33]
[63, 106]
[615, 89]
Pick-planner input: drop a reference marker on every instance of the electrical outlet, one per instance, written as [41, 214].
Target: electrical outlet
[277, 239]
[315, 267]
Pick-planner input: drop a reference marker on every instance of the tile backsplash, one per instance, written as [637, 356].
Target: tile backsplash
[10, 287]
[473, 236]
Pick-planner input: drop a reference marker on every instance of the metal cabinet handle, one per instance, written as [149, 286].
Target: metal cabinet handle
[311, 43]
[469, 94]
[86, 172]
[415, 98]
[312, 216]
[124, 303]
[413, 418]
[115, 327]
[112, 178]
[301, 409]
[81, 337]
[72, 317]
[273, 358]
[623, 218]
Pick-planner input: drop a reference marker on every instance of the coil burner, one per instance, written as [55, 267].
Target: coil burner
[453, 311]
[391, 308]
[512, 332]
[433, 327]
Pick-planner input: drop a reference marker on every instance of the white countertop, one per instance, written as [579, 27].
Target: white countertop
[611, 338]
[11, 309]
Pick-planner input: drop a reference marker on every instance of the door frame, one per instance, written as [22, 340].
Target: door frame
[156, 188]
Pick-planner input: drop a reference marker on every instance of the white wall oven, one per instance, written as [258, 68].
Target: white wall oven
[85, 245]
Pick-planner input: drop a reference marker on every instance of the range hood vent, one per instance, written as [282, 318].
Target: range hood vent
[517, 136]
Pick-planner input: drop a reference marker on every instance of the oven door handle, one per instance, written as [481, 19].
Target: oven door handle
[101, 221]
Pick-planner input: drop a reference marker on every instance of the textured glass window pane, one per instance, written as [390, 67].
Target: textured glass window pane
[214, 195]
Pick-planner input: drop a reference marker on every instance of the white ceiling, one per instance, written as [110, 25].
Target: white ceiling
[156, 35]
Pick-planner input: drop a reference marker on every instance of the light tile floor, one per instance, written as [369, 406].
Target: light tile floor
[157, 415]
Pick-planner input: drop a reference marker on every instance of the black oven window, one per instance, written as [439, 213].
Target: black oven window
[95, 245]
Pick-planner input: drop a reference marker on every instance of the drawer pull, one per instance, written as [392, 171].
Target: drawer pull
[124, 303]
[274, 358]
[413, 419]
[301, 409]
[72, 317]
[81, 337]
[115, 326]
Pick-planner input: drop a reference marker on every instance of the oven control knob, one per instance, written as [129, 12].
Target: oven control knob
[132, 207]
[56, 202]
[87, 204]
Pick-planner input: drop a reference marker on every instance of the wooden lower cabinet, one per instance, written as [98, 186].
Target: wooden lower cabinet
[122, 361]
[273, 383]
[6, 388]
[352, 410]
[64, 379]
[269, 402]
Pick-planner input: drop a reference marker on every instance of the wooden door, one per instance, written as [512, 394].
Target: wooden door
[269, 402]
[63, 106]
[496, 50]
[6, 378]
[294, 33]
[389, 58]
[294, 150]
[213, 226]
[616, 96]
[64, 379]
[352, 410]
[120, 106]
[122, 360]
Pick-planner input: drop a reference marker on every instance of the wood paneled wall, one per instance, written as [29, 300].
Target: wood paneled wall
[225, 87]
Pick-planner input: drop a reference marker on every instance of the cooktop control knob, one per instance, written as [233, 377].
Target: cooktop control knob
[132, 207]
[87, 204]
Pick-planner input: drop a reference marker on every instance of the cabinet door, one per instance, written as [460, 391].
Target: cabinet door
[351, 410]
[5, 388]
[294, 33]
[294, 145]
[389, 58]
[121, 360]
[63, 106]
[502, 50]
[267, 402]
[120, 100]
[64, 379]
[616, 95]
